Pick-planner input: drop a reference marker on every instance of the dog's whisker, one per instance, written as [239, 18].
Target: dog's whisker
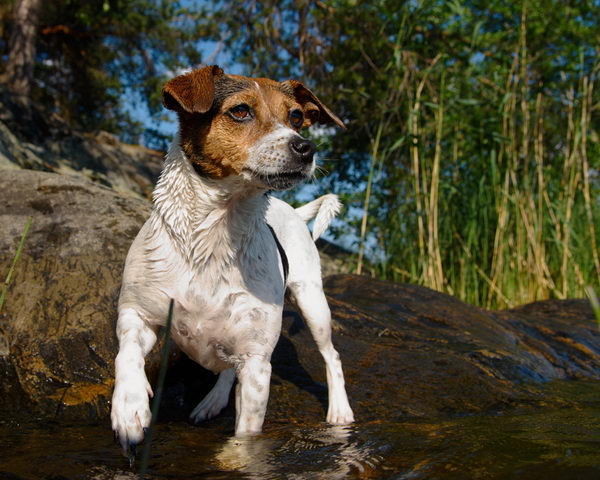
[320, 170]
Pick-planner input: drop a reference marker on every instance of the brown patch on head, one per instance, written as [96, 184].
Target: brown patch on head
[196, 97]
[212, 138]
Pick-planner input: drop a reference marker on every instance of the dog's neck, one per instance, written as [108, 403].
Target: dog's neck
[209, 221]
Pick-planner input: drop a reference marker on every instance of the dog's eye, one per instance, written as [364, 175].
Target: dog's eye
[296, 118]
[241, 112]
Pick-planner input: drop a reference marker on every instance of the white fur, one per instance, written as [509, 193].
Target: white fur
[271, 154]
[325, 208]
[207, 246]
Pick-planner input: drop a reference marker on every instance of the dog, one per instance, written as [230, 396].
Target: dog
[225, 251]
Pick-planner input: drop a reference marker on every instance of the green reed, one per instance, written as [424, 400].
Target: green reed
[160, 381]
[491, 199]
[11, 270]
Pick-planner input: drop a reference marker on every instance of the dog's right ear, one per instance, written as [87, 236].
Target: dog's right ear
[193, 92]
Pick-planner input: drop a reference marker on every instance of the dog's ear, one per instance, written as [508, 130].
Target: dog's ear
[193, 92]
[314, 110]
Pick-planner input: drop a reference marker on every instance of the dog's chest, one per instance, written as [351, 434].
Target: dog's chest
[218, 319]
[211, 251]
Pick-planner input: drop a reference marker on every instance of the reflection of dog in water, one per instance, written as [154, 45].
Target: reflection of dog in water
[328, 453]
[225, 251]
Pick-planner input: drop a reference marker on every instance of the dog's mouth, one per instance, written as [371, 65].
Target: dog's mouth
[281, 180]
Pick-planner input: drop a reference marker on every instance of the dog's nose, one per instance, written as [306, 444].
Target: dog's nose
[302, 149]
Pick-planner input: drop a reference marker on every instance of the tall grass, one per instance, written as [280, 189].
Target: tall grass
[497, 207]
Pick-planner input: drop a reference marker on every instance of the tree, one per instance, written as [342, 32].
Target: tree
[22, 48]
[89, 54]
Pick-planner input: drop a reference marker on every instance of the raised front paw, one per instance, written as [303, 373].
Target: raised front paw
[130, 413]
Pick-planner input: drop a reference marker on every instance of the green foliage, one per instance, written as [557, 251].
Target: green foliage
[90, 54]
[158, 389]
[594, 302]
[11, 270]
[472, 133]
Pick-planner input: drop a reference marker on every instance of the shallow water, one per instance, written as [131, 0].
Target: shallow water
[550, 444]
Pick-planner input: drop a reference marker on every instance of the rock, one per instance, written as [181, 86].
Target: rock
[407, 350]
[32, 139]
[411, 351]
[58, 322]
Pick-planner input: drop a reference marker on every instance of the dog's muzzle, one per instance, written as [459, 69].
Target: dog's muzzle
[282, 162]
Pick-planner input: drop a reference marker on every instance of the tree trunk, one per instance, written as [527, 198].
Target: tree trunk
[21, 48]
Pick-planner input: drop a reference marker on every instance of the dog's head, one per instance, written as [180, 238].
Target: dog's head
[233, 125]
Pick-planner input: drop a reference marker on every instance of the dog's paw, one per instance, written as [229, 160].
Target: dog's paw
[210, 406]
[340, 414]
[130, 414]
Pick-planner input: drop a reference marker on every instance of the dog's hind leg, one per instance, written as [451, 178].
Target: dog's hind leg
[216, 400]
[130, 413]
[310, 300]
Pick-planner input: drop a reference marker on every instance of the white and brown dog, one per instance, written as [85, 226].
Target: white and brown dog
[226, 252]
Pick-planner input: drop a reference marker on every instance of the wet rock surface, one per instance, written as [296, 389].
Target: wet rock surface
[57, 325]
[407, 351]
[410, 351]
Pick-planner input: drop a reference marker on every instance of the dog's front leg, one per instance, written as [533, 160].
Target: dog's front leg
[251, 394]
[130, 413]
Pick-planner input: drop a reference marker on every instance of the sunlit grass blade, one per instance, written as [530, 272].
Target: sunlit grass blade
[11, 270]
[594, 302]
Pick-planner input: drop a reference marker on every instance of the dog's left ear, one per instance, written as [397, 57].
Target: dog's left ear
[314, 110]
[193, 92]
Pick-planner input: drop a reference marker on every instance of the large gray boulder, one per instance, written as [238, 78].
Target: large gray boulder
[57, 326]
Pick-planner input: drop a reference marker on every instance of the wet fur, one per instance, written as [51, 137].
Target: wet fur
[207, 246]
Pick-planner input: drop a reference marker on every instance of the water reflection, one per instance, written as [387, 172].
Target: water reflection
[531, 445]
[331, 452]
